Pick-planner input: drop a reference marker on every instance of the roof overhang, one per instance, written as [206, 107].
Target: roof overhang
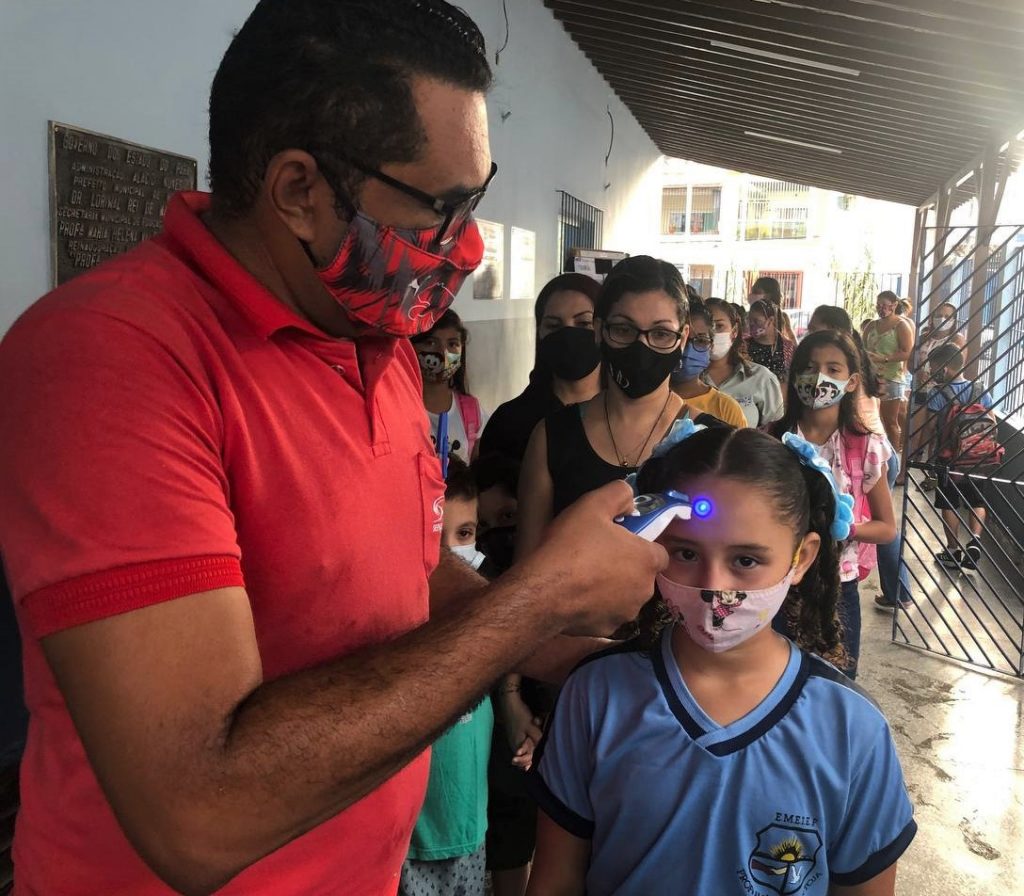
[873, 97]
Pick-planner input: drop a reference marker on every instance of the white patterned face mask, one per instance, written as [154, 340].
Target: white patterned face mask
[720, 620]
[818, 391]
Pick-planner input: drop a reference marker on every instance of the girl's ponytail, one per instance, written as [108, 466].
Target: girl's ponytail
[812, 606]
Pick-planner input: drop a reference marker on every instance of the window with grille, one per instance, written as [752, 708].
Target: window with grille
[790, 282]
[702, 279]
[774, 210]
[705, 209]
[580, 226]
[673, 211]
[698, 207]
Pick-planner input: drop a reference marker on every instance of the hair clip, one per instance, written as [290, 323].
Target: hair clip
[681, 430]
[808, 455]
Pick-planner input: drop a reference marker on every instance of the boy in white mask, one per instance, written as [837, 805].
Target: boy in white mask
[447, 855]
[715, 755]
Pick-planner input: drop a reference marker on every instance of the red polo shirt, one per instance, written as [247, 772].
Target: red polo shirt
[169, 427]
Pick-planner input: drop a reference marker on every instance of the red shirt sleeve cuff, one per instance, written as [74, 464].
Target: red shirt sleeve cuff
[114, 591]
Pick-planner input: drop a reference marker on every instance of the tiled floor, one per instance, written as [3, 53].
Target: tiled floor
[960, 735]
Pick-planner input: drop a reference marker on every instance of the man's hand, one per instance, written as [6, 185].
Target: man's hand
[592, 572]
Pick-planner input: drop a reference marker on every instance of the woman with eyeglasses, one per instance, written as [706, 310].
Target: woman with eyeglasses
[754, 387]
[642, 324]
[686, 379]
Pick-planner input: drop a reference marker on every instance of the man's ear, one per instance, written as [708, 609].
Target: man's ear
[807, 553]
[297, 193]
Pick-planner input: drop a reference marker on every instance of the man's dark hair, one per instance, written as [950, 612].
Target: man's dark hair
[332, 77]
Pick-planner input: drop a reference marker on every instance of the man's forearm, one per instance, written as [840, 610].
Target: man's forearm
[302, 748]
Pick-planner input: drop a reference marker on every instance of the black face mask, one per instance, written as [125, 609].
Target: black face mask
[637, 369]
[570, 353]
[499, 546]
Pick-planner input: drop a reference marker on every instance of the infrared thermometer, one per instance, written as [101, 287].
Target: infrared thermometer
[652, 513]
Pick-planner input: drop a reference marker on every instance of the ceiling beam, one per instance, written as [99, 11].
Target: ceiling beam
[721, 21]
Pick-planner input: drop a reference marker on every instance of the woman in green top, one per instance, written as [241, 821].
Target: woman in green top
[889, 341]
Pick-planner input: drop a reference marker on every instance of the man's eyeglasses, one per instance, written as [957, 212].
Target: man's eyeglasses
[660, 339]
[454, 214]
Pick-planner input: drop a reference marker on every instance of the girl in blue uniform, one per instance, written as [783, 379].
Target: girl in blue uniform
[714, 756]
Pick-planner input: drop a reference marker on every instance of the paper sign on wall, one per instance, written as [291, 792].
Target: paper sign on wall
[523, 275]
[490, 276]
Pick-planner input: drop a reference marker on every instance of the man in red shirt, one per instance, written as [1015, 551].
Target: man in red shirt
[221, 508]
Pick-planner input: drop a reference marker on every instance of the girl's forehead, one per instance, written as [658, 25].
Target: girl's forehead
[567, 302]
[741, 516]
[828, 354]
[445, 334]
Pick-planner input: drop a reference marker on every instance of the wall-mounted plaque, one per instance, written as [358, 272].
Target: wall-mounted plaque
[106, 195]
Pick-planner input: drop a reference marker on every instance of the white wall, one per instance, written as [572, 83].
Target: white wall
[141, 70]
[135, 69]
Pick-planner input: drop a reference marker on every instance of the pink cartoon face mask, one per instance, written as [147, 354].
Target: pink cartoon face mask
[720, 620]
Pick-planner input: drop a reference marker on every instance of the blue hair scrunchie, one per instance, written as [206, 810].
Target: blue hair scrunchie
[808, 455]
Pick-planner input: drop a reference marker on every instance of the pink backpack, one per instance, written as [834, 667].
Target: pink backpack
[854, 455]
[469, 408]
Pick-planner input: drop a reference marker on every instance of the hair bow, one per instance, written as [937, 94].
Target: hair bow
[808, 455]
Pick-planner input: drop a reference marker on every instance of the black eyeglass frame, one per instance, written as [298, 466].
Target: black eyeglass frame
[455, 213]
[637, 333]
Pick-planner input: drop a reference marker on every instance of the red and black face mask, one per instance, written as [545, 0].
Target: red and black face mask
[400, 281]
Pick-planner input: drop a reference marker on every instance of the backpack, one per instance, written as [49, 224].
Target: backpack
[854, 448]
[469, 408]
[967, 431]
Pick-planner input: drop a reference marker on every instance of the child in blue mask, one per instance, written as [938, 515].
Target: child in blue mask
[821, 406]
[713, 755]
[688, 379]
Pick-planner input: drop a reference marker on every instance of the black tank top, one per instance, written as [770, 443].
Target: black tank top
[574, 466]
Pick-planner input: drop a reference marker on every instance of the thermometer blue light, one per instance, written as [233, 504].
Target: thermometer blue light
[703, 508]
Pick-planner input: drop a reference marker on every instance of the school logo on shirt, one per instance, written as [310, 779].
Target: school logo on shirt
[438, 513]
[784, 858]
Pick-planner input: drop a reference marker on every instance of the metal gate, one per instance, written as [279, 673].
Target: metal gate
[975, 615]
